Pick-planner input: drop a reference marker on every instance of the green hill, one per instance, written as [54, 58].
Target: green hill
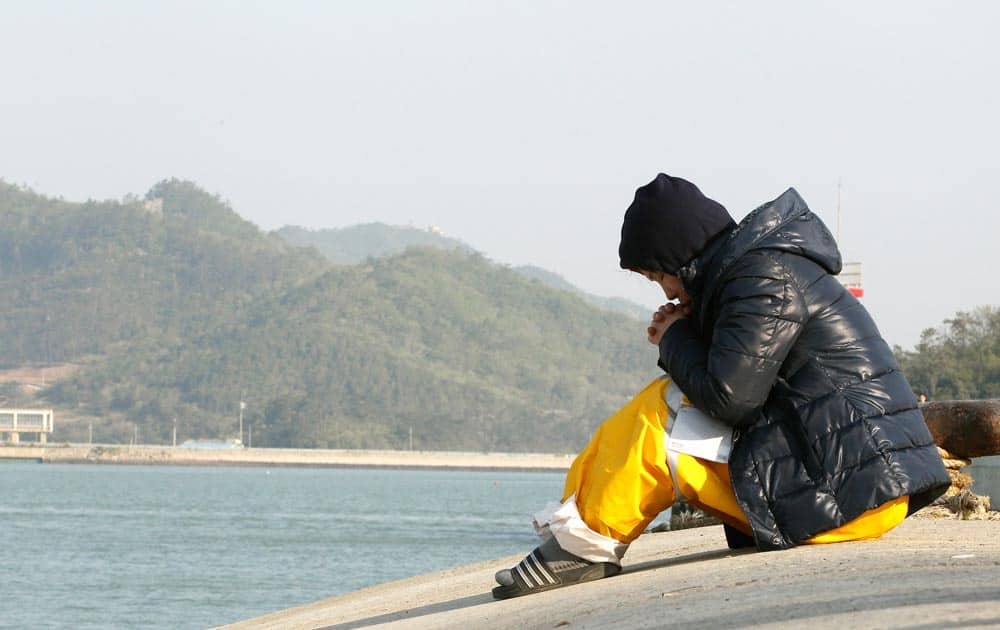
[81, 277]
[355, 244]
[178, 308]
[616, 304]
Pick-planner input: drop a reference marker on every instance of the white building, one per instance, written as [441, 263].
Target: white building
[14, 422]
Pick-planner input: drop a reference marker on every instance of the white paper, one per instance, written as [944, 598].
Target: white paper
[699, 435]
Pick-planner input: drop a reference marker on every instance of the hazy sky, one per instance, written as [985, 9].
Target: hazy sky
[524, 128]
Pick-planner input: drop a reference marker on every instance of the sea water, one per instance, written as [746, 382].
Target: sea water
[985, 473]
[178, 547]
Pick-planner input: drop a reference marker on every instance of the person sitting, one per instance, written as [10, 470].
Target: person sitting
[814, 434]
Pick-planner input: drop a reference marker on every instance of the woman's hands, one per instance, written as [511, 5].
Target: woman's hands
[663, 318]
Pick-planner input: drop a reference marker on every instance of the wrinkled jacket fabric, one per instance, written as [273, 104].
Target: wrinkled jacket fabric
[826, 426]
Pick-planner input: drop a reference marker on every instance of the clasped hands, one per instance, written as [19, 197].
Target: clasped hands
[663, 319]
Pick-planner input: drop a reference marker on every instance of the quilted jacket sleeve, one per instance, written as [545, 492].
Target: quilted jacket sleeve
[760, 314]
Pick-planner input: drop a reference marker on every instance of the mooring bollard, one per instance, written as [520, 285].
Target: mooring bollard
[965, 428]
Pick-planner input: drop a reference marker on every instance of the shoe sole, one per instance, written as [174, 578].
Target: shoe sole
[593, 573]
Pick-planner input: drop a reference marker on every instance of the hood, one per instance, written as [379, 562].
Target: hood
[669, 223]
[786, 224]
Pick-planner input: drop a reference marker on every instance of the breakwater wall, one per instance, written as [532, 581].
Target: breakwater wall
[331, 458]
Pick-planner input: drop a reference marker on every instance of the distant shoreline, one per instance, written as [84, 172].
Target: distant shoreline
[150, 455]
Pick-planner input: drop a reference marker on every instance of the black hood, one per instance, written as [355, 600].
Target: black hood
[668, 224]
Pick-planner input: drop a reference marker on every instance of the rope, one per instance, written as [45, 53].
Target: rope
[951, 461]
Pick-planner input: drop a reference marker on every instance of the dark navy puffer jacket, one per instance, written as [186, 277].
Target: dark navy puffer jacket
[826, 425]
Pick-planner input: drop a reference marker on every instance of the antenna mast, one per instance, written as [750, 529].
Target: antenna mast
[838, 210]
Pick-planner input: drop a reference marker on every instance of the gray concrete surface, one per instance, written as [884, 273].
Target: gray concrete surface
[180, 456]
[927, 573]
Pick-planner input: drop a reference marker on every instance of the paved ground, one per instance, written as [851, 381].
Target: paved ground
[927, 573]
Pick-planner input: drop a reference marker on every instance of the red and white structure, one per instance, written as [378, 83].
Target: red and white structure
[850, 277]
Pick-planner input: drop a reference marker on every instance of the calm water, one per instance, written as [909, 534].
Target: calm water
[137, 546]
[985, 472]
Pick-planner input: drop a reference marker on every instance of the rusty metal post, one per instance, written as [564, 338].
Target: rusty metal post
[967, 428]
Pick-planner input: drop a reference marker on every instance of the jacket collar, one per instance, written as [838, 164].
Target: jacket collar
[701, 276]
[694, 274]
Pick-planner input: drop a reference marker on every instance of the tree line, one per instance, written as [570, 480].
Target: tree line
[958, 360]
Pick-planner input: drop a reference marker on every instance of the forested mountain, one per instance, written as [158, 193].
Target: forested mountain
[355, 244]
[373, 240]
[80, 277]
[175, 307]
[616, 304]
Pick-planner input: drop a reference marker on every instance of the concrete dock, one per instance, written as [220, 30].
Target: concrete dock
[179, 456]
[928, 573]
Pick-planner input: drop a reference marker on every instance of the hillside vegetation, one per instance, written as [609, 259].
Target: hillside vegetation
[175, 307]
[355, 244]
[958, 360]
